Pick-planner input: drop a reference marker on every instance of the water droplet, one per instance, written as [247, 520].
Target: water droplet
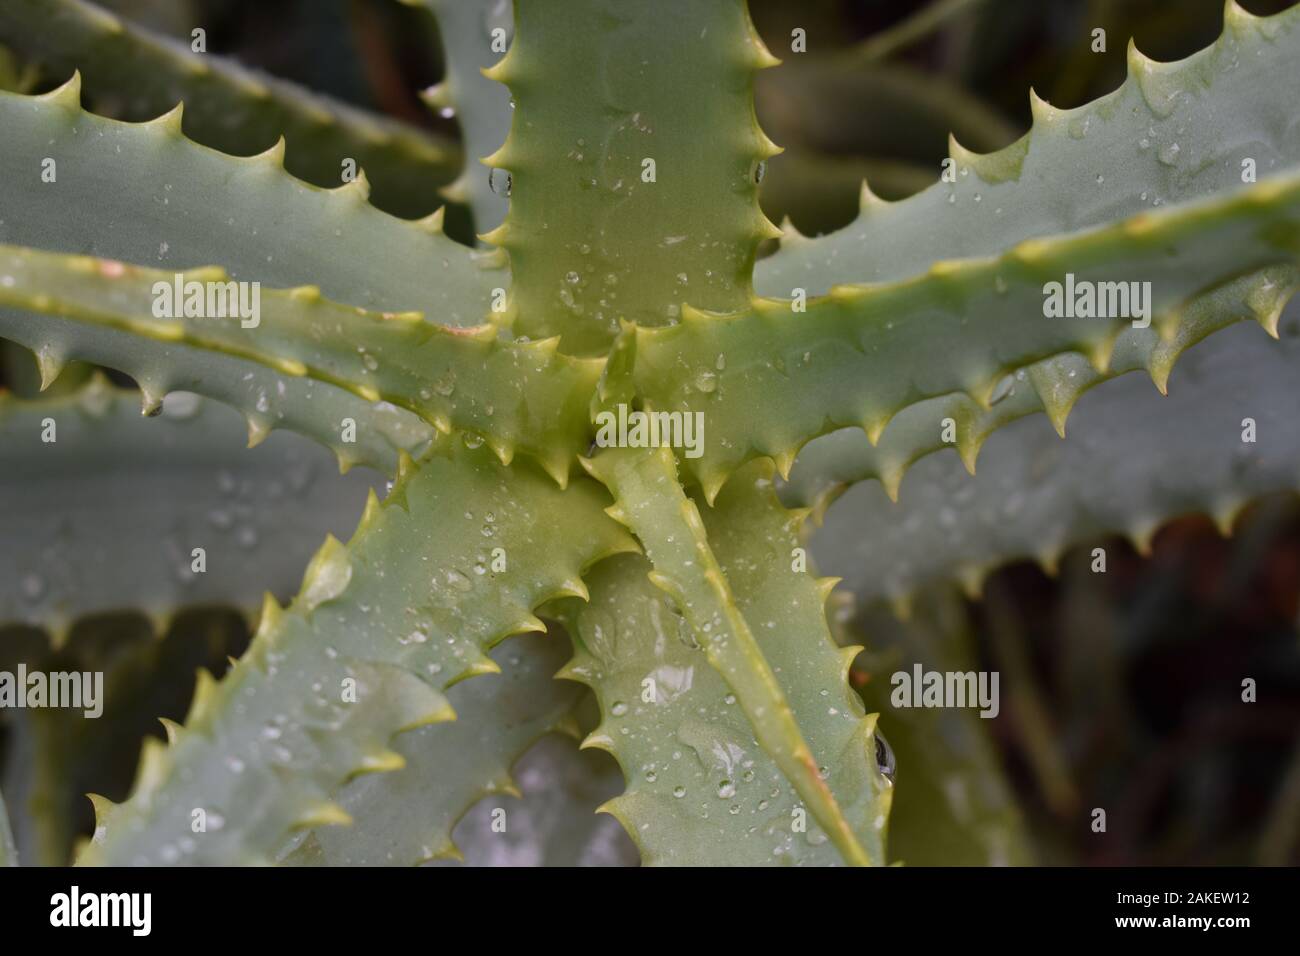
[884, 756]
[760, 169]
[679, 791]
[706, 380]
[33, 586]
[1003, 389]
[1169, 154]
[459, 581]
[327, 576]
[181, 405]
[619, 709]
[726, 790]
[500, 182]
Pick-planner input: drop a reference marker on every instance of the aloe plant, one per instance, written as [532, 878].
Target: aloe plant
[617, 269]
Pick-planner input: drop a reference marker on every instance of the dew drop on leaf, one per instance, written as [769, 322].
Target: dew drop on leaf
[500, 182]
[884, 756]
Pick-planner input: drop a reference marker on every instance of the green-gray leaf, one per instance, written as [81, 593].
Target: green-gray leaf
[106, 516]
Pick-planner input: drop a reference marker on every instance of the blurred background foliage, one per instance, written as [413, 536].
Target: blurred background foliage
[1119, 691]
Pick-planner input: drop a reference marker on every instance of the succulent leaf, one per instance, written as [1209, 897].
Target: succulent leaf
[516, 396]
[1172, 133]
[678, 811]
[618, 208]
[407, 817]
[56, 756]
[143, 193]
[230, 107]
[1036, 495]
[864, 353]
[1053, 386]
[481, 105]
[106, 517]
[412, 605]
[837, 782]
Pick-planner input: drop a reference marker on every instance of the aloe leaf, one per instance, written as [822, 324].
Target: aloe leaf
[616, 212]
[407, 817]
[1035, 495]
[230, 107]
[265, 397]
[952, 803]
[148, 676]
[865, 353]
[699, 788]
[516, 396]
[106, 517]
[688, 755]
[143, 193]
[410, 606]
[787, 714]
[8, 852]
[481, 106]
[1173, 132]
[1053, 386]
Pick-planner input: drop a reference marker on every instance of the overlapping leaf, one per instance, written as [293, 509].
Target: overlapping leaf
[407, 817]
[410, 606]
[227, 106]
[1173, 132]
[769, 379]
[766, 636]
[1134, 459]
[106, 515]
[143, 193]
[514, 396]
